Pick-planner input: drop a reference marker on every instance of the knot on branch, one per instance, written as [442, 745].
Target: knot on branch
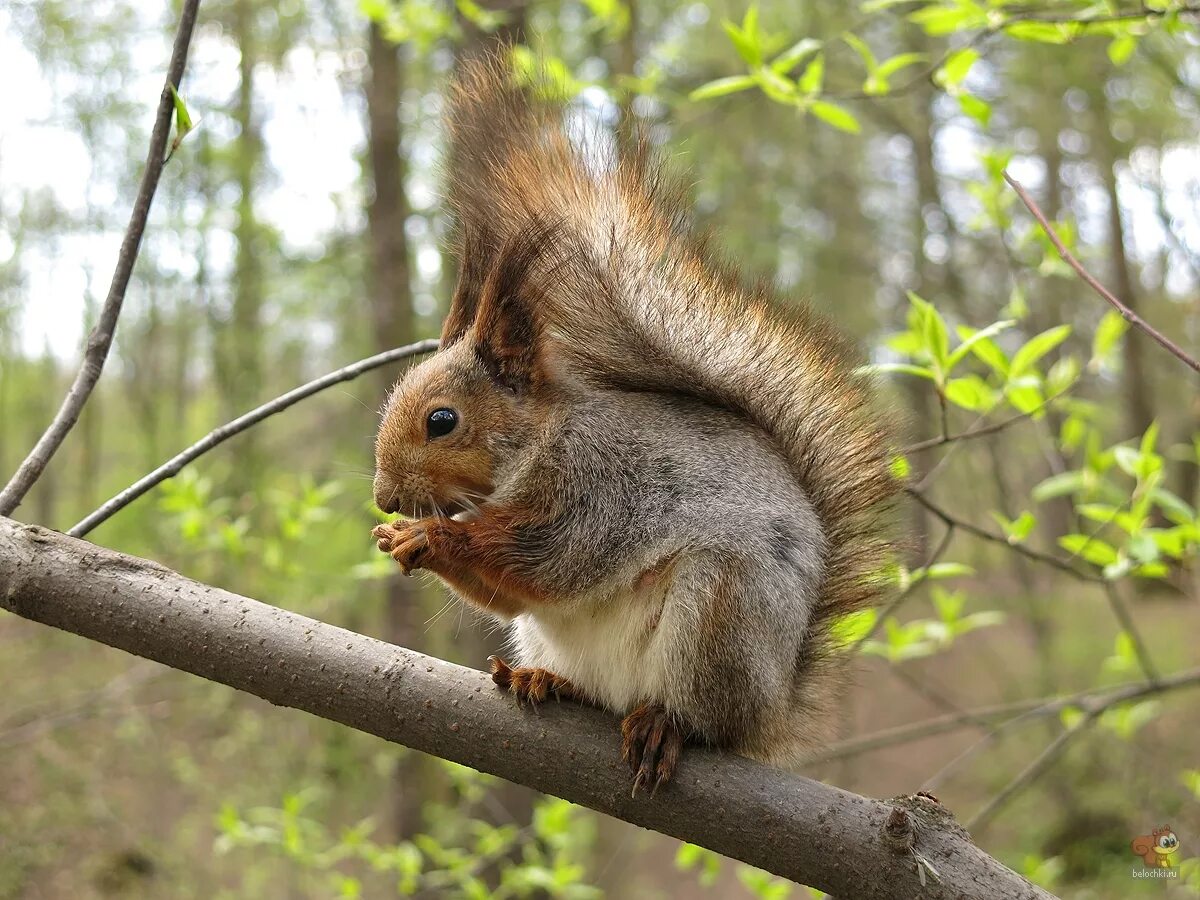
[898, 834]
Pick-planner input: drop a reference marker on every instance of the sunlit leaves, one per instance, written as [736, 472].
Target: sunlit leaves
[1108, 333]
[183, 122]
[1018, 529]
[956, 68]
[923, 637]
[722, 87]
[837, 116]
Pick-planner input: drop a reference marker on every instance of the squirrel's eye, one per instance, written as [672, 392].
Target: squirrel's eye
[440, 423]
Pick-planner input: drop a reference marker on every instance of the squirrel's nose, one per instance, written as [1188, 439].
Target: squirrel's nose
[387, 493]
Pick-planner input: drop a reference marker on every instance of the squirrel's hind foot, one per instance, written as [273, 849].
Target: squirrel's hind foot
[532, 686]
[651, 742]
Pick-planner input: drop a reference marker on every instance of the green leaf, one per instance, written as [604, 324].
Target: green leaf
[1042, 32]
[746, 44]
[1035, 348]
[853, 627]
[900, 468]
[956, 68]
[794, 55]
[861, 48]
[814, 76]
[1059, 486]
[1112, 326]
[1121, 48]
[1094, 550]
[970, 392]
[944, 570]
[977, 109]
[947, 18]
[1018, 529]
[932, 329]
[183, 119]
[1071, 717]
[988, 351]
[905, 368]
[970, 338]
[722, 86]
[894, 64]
[1027, 398]
[1062, 376]
[832, 114]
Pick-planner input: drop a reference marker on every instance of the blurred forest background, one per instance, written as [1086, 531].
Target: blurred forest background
[850, 153]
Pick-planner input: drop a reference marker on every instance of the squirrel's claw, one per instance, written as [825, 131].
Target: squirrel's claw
[529, 686]
[652, 740]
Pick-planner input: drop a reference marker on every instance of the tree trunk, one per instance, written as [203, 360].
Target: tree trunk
[392, 318]
[243, 379]
[1139, 408]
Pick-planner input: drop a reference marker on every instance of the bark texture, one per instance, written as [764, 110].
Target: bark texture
[809, 832]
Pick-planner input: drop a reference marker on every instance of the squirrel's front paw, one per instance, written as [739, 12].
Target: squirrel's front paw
[530, 686]
[406, 542]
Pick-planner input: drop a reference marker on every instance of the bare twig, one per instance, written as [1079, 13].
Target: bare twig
[1121, 611]
[980, 430]
[218, 436]
[1030, 773]
[1126, 313]
[1034, 708]
[101, 337]
[950, 519]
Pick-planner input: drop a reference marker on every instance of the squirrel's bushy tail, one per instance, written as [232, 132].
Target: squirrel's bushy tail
[634, 302]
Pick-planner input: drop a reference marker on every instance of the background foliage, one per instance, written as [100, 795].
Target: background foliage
[853, 154]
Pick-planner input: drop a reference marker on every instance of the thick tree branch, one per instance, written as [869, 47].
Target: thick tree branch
[799, 829]
[101, 338]
[1126, 313]
[218, 436]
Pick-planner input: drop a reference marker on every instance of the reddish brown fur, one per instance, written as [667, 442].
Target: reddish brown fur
[531, 686]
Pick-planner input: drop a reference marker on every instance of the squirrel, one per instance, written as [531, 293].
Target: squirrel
[670, 485]
[1156, 848]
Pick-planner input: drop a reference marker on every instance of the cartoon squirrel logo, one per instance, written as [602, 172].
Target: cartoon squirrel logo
[1156, 848]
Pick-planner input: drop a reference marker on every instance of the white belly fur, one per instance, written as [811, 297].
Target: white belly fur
[611, 650]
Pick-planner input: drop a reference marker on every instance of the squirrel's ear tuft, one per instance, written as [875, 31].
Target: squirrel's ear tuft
[474, 253]
[508, 329]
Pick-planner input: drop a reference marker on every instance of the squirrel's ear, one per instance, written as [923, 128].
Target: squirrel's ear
[507, 328]
[474, 253]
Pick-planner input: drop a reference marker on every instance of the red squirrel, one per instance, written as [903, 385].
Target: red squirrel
[668, 484]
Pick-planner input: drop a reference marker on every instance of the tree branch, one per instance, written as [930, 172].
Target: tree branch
[218, 436]
[799, 829]
[1126, 313]
[1097, 699]
[101, 337]
[952, 520]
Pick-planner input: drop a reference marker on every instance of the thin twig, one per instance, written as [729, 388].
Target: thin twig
[101, 337]
[219, 435]
[1033, 708]
[1029, 774]
[982, 430]
[1121, 611]
[983, 533]
[896, 601]
[1126, 313]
